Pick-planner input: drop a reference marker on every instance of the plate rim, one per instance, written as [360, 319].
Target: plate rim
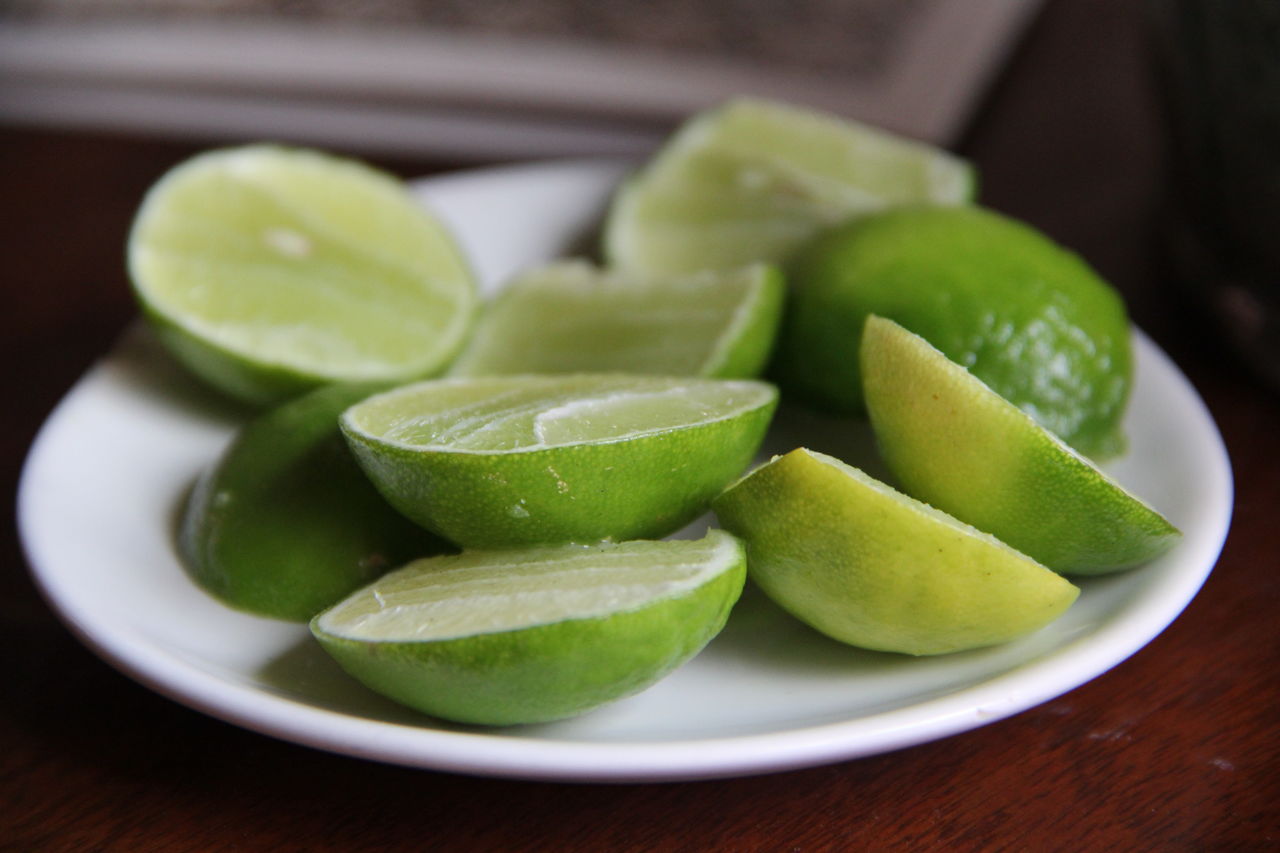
[1022, 687]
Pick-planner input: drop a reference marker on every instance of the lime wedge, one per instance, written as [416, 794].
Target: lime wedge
[269, 271]
[506, 637]
[871, 567]
[571, 317]
[504, 461]
[752, 180]
[953, 442]
[285, 523]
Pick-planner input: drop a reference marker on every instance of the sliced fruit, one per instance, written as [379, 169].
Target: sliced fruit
[952, 441]
[506, 637]
[285, 523]
[752, 180]
[1026, 316]
[571, 317]
[503, 461]
[871, 567]
[269, 271]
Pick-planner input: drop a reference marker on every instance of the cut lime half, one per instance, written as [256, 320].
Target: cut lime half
[570, 317]
[506, 637]
[270, 270]
[504, 461]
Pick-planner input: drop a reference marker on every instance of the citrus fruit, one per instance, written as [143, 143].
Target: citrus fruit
[570, 317]
[752, 179]
[269, 271]
[871, 567]
[952, 441]
[537, 634]
[1023, 314]
[503, 461]
[285, 523]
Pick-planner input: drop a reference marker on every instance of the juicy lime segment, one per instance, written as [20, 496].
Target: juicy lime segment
[871, 567]
[285, 523]
[954, 442]
[753, 179]
[271, 270]
[508, 637]
[570, 317]
[1023, 314]
[504, 461]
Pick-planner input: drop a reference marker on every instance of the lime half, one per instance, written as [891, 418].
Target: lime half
[504, 461]
[506, 637]
[869, 566]
[571, 317]
[752, 180]
[269, 271]
[952, 441]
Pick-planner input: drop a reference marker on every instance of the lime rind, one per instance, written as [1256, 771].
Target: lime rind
[270, 270]
[553, 667]
[954, 442]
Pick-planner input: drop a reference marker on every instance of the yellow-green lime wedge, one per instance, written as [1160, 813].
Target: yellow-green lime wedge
[952, 441]
[269, 271]
[285, 523]
[871, 567]
[570, 317]
[505, 461]
[753, 179]
[526, 636]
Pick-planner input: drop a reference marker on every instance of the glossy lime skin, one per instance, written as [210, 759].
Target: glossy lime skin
[1024, 315]
[285, 523]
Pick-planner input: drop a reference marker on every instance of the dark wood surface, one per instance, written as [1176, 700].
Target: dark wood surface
[1175, 749]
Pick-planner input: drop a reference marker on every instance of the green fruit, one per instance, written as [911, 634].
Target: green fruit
[570, 317]
[269, 271]
[752, 180]
[507, 461]
[285, 523]
[506, 637]
[874, 568]
[952, 441]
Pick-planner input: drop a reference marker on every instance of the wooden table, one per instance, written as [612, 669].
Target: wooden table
[1175, 749]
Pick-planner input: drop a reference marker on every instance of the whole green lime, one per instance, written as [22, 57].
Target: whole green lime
[1026, 316]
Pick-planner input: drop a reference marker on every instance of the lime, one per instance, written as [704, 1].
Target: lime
[1026, 316]
[871, 567]
[506, 637]
[269, 271]
[503, 461]
[570, 317]
[952, 441]
[285, 523]
[751, 180]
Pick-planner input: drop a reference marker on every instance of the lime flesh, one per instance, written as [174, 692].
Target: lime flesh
[285, 523]
[505, 461]
[752, 180]
[507, 637]
[871, 567]
[269, 271]
[571, 317]
[1023, 314]
[952, 441]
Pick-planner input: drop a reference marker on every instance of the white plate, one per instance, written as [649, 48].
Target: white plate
[106, 474]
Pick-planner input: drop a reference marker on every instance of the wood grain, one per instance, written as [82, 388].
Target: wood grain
[1175, 749]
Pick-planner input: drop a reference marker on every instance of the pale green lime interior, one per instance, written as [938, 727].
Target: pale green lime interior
[571, 316]
[301, 260]
[483, 592]
[510, 413]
